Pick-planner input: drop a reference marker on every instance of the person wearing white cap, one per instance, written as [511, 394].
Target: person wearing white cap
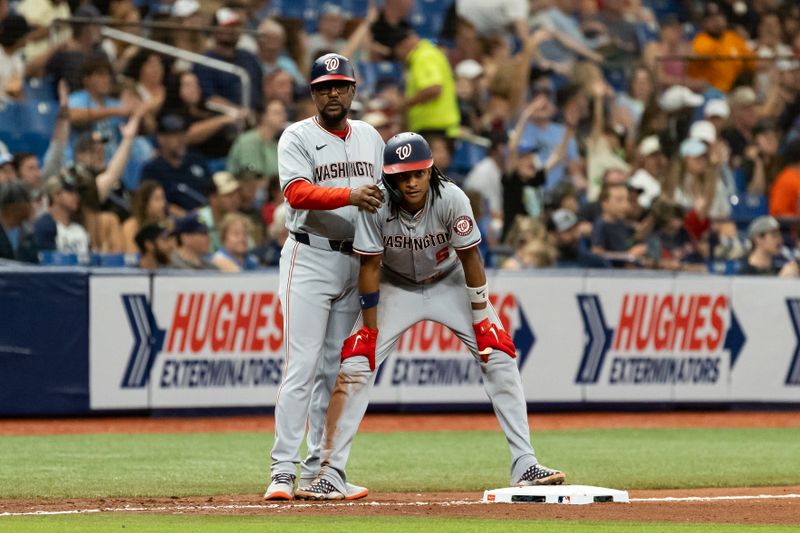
[766, 258]
[650, 174]
[699, 187]
[468, 74]
[679, 97]
[717, 111]
[223, 198]
[744, 117]
[188, 14]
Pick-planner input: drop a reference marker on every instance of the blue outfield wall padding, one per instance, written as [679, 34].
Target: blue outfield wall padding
[44, 342]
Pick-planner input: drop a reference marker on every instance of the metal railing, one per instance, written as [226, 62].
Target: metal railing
[169, 50]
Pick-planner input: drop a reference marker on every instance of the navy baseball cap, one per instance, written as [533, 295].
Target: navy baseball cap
[171, 123]
[189, 224]
[332, 67]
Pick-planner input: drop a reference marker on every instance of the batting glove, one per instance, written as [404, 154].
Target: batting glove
[491, 337]
[362, 343]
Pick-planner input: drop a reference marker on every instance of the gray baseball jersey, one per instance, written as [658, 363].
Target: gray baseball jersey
[308, 151]
[416, 250]
[419, 247]
[318, 286]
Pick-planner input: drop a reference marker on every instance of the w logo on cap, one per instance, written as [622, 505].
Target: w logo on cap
[332, 63]
[403, 151]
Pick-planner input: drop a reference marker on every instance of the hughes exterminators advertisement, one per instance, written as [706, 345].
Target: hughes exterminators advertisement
[216, 341]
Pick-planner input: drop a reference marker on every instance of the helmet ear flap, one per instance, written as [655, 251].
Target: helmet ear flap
[395, 198]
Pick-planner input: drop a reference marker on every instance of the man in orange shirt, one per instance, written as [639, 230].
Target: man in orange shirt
[718, 41]
[785, 194]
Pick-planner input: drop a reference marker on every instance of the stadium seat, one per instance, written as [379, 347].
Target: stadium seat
[465, 156]
[39, 90]
[55, 258]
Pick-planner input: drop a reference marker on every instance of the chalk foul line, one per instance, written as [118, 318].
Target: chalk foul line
[292, 506]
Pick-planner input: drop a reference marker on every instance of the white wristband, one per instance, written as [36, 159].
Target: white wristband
[478, 295]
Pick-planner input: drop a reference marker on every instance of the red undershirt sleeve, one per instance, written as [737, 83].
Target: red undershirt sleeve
[303, 195]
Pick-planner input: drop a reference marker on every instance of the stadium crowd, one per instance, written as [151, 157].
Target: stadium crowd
[588, 133]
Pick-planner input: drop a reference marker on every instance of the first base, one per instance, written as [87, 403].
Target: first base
[564, 494]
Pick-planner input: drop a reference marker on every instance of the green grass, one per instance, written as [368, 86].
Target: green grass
[328, 524]
[236, 463]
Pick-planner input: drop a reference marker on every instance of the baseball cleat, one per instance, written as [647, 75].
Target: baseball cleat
[281, 487]
[540, 475]
[354, 492]
[320, 489]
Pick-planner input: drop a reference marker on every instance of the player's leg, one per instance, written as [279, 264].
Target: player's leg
[396, 313]
[344, 313]
[501, 379]
[305, 286]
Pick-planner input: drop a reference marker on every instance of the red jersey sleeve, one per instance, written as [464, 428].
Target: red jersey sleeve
[303, 195]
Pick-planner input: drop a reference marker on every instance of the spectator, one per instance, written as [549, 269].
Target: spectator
[650, 174]
[678, 103]
[622, 46]
[146, 69]
[183, 175]
[430, 102]
[222, 86]
[274, 200]
[57, 229]
[26, 166]
[487, 178]
[279, 85]
[784, 197]
[663, 57]
[722, 44]
[67, 62]
[592, 211]
[224, 199]
[496, 17]
[188, 14]
[155, 246]
[193, 245]
[765, 257]
[329, 35]
[41, 15]
[236, 232]
[768, 47]
[383, 123]
[7, 171]
[612, 237]
[555, 143]
[92, 109]
[744, 117]
[210, 132]
[16, 236]
[717, 111]
[252, 194]
[257, 150]
[569, 237]
[468, 91]
[629, 107]
[272, 51]
[13, 34]
[603, 144]
[391, 25]
[567, 43]
[149, 207]
[669, 246]
[532, 254]
[762, 162]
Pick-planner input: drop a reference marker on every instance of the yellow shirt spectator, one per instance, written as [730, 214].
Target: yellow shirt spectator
[426, 68]
[722, 72]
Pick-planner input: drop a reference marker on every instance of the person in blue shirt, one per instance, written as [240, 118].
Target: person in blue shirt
[223, 85]
[16, 235]
[92, 109]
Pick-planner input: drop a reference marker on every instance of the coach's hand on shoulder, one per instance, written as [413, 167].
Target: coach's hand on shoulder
[368, 197]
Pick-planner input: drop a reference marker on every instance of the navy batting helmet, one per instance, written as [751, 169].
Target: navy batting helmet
[404, 152]
[332, 67]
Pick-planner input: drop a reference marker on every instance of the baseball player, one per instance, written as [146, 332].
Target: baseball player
[426, 239]
[328, 167]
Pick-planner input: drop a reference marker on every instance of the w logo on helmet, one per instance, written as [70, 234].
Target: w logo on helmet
[332, 63]
[404, 151]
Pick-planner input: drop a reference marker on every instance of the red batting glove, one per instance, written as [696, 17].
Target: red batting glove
[491, 337]
[362, 342]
